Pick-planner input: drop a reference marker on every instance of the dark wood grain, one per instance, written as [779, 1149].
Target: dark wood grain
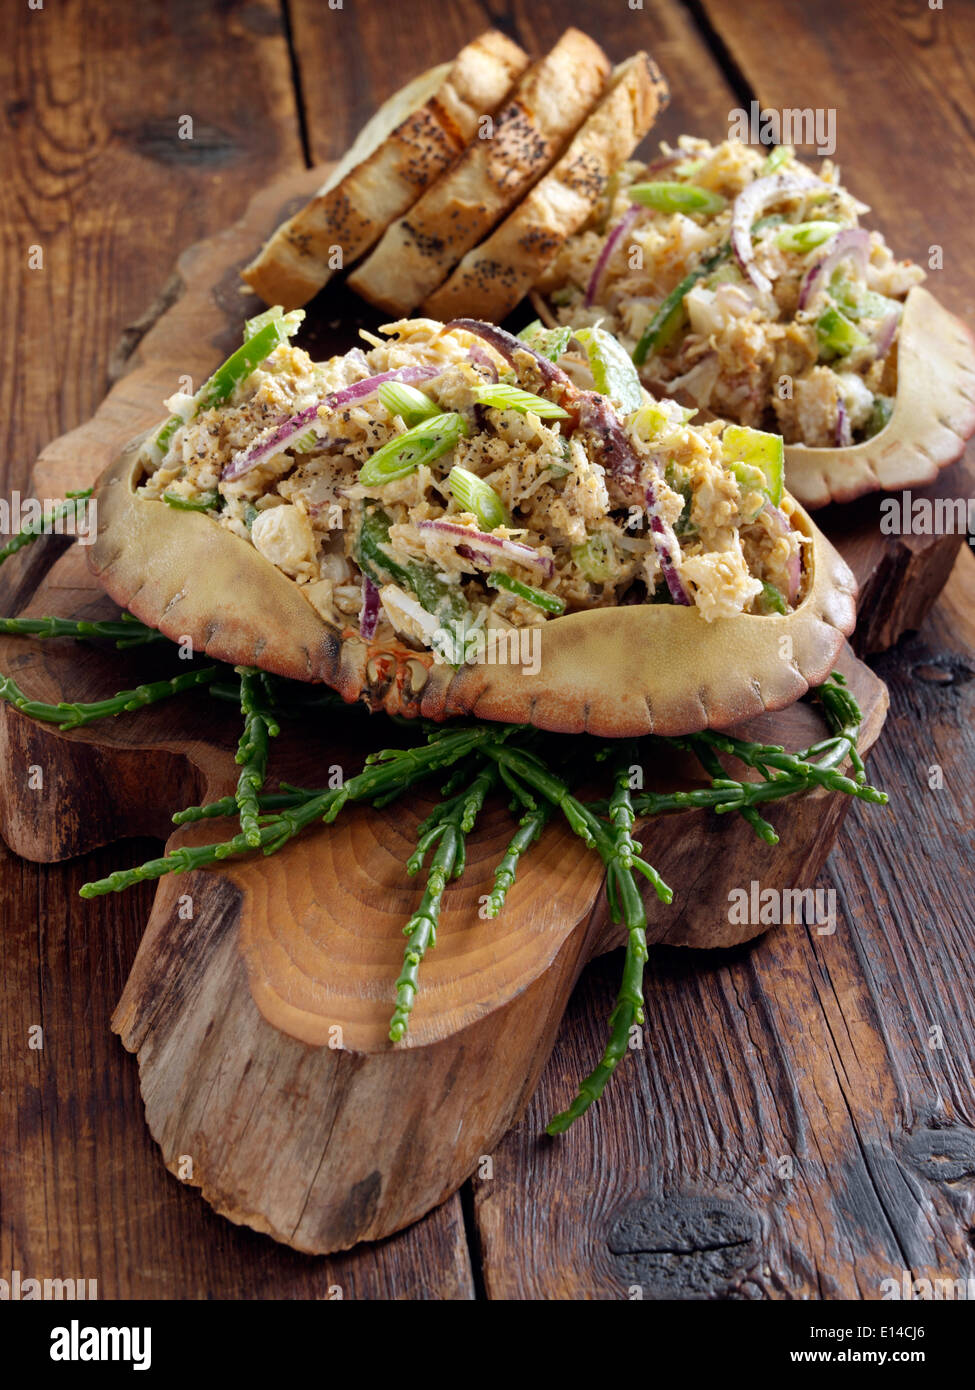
[816, 1049]
[83, 1190]
[95, 174]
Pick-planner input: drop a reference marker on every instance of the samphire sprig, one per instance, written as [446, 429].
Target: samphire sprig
[626, 906]
[259, 728]
[447, 827]
[479, 758]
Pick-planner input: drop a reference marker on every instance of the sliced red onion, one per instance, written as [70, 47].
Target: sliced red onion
[749, 206]
[524, 554]
[794, 572]
[668, 549]
[626, 221]
[666, 161]
[852, 243]
[844, 433]
[482, 360]
[783, 526]
[507, 345]
[285, 434]
[280, 437]
[886, 332]
[369, 613]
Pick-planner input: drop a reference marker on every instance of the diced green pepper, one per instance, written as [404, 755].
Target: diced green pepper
[612, 368]
[550, 342]
[595, 558]
[776, 159]
[551, 603]
[270, 331]
[883, 408]
[289, 323]
[838, 335]
[805, 236]
[772, 600]
[679, 481]
[670, 315]
[477, 496]
[405, 453]
[857, 302]
[677, 197]
[204, 503]
[759, 450]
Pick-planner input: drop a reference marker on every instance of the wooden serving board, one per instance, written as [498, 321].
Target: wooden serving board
[259, 999]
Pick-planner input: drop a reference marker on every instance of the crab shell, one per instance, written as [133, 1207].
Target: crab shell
[932, 420]
[615, 672]
[933, 415]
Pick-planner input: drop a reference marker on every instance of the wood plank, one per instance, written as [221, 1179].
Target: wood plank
[803, 1047]
[388, 41]
[93, 98]
[97, 176]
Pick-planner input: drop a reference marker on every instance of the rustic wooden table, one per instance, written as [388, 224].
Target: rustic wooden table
[803, 1122]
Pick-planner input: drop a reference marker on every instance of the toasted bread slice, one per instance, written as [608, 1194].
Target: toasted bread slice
[411, 140]
[496, 275]
[417, 252]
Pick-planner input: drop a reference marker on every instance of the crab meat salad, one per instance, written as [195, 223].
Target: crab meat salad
[743, 282]
[450, 476]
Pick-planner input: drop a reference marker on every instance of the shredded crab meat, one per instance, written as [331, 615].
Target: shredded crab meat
[571, 539]
[753, 357]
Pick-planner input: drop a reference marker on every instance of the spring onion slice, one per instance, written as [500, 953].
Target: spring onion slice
[411, 405]
[505, 397]
[477, 496]
[401, 456]
[677, 197]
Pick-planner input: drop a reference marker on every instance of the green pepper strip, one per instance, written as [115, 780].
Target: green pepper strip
[437, 597]
[237, 368]
[662, 326]
[551, 603]
[204, 503]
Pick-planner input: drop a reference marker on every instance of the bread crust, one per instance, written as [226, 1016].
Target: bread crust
[419, 250]
[496, 275]
[414, 137]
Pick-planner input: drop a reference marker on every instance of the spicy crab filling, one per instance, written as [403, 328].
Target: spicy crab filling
[744, 282]
[444, 478]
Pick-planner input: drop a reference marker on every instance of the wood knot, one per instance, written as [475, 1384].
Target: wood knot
[942, 670]
[684, 1246]
[942, 1155]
